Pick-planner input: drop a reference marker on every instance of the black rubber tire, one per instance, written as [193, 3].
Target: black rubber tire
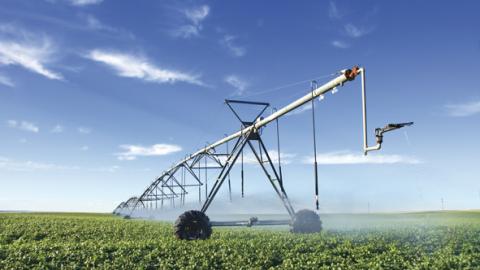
[193, 225]
[306, 221]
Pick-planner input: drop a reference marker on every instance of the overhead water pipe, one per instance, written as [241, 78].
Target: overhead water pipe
[346, 75]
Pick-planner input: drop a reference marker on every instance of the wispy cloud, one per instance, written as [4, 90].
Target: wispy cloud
[197, 15]
[229, 42]
[301, 110]
[193, 22]
[8, 164]
[132, 66]
[6, 81]
[249, 158]
[108, 169]
[238, 83]
[356, 31]
[347, 157]
[333, 11]
[464, 109]
[13, 165]
[32, 52]
[340, 44]
[23, 125]
[82, 3]
[57, 129]
[305, 108]
[93, 23]
[131, 152]
[84, 130]
[286, 158]
[349, 31]
[84, 148]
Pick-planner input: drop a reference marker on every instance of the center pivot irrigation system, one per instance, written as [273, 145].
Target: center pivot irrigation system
[171, 188]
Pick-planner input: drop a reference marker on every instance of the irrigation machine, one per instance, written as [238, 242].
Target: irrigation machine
[171, 187]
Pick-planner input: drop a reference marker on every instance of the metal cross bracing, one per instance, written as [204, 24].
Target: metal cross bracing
[127, 205]
[170, 189]
[172, 186]
[167, 187]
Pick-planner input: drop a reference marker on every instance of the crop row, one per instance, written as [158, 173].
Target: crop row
[29, 241]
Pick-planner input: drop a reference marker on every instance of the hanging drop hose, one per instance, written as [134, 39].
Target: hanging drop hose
[260, 152]
[199, 179]
[278, 152]
[242, 173]
[229, 182]
[183, 183]
[206, 177]
[314, 86]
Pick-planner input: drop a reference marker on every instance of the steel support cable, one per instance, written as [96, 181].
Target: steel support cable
[314, 86]
[271, 90]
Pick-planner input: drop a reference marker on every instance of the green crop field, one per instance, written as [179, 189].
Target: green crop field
[433, 240]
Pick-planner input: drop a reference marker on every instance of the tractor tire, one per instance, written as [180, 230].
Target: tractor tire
[306, 221]
[193, 225]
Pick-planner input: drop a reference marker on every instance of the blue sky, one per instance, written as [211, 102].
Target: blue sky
[99, 97]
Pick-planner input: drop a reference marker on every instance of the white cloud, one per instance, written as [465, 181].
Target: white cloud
[250, 159]
[23, 125]
[347, 157]
[286, 158]
[6, 81]
[356, 32]
[186, 31]
[57, 129]
[333, 11]
[84, 130]
[109, 169]
[300, 110]
[340, 44]
[85, 2]
[197, 15]
[133, 151]
[92, 23]
[95, 24]
[305, 107]
[12, 165]
[194, 17]
[12, 123]
[238, 83]
[27, 126]
[462, 110]
[84, 148]
[228, 41]
[21, 48]
[131, 66]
